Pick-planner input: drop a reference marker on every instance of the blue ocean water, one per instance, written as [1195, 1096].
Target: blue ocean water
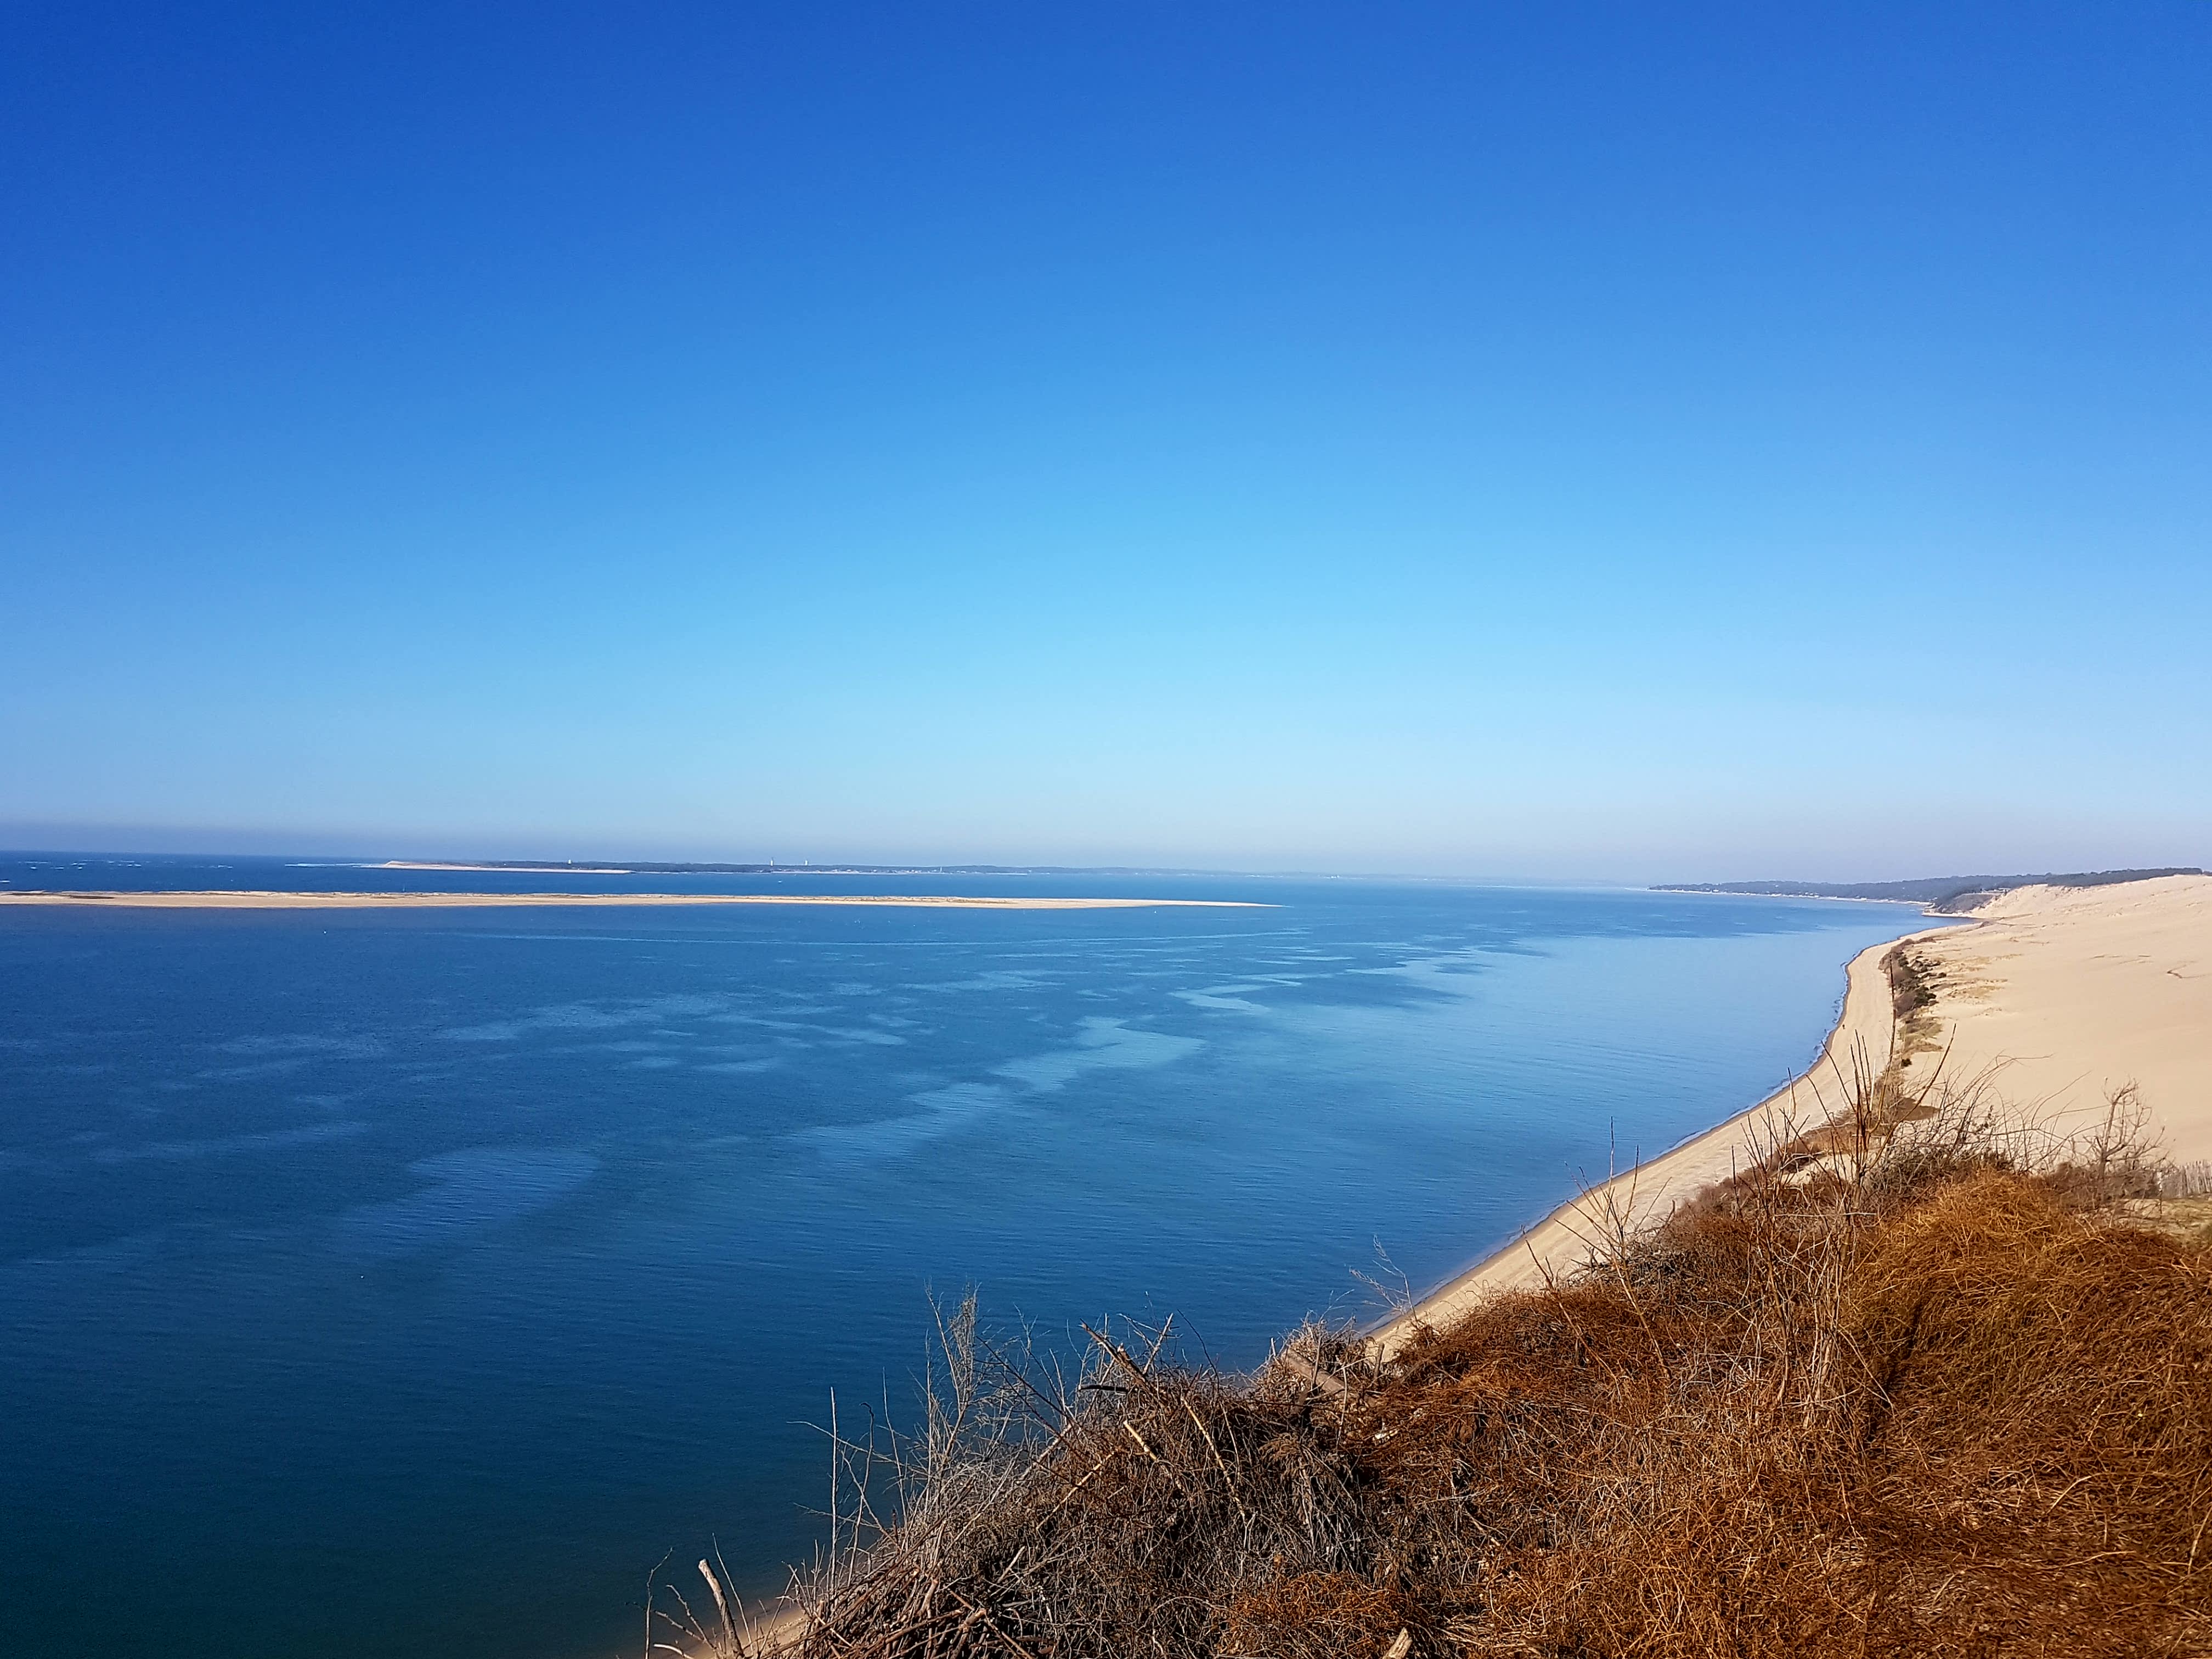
[406, 1281]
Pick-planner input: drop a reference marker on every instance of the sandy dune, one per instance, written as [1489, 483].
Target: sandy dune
[2071, 992]
[273, 901]
[2058, 995]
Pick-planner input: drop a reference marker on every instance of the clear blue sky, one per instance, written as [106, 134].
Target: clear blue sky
[1614, 441]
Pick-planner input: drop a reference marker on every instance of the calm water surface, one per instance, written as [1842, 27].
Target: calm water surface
[402, 1282]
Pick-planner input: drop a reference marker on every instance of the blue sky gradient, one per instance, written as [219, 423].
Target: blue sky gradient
[1579, 441]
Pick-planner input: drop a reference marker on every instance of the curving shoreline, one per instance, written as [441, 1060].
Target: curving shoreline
[2058, 995]
[1645, 1192]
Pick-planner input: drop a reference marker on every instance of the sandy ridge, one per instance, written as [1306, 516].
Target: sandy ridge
[282, 900]
[2062, 995]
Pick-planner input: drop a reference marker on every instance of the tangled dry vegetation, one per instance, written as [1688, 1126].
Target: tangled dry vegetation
[1951, 1398]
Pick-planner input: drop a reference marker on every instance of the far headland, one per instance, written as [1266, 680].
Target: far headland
[1943, 895]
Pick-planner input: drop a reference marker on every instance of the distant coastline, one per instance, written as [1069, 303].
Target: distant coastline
[650, 867]
[504, 869]
[1943, 895]
[326, 901]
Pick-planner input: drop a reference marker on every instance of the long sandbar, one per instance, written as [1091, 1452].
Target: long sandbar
[2056, 995]
[281, 900]
[504, 869]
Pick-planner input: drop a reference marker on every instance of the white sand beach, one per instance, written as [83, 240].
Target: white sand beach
[2056, 996]
[281, 901]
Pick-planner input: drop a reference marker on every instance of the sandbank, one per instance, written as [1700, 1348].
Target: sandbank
[2056, 996]
[507, 869]
[281, 900]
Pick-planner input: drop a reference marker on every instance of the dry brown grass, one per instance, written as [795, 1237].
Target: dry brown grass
[1960, 1403]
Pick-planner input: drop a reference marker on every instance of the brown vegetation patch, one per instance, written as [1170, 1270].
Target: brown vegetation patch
[1918, 980]
[1953, 1407]
[1913, 979]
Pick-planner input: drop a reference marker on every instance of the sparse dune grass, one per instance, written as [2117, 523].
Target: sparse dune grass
[1954, 1399]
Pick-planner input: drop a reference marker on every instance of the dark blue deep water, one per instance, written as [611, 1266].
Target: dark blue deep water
[407, 1282]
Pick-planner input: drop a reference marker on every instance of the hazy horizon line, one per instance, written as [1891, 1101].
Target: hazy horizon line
[305, 853]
